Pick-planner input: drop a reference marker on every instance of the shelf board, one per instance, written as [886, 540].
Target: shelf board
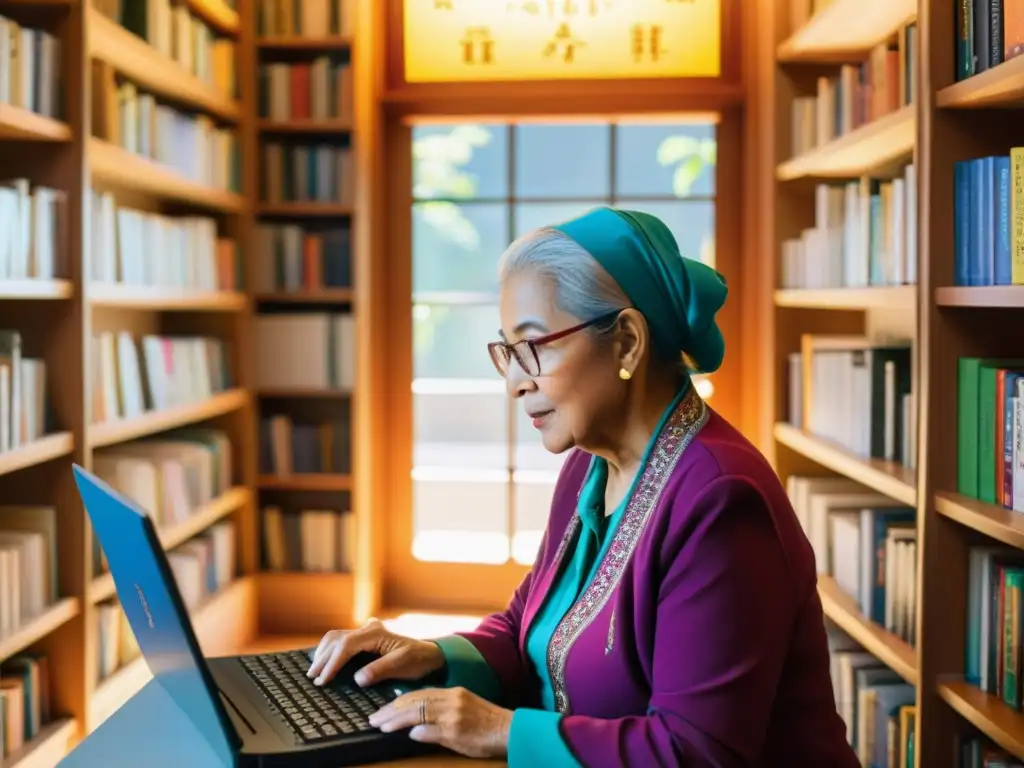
[117, 167]
[1001, 524]
[304, 210]
[58, 614]
[208, 620]
[987, 713]
[49, 747]
[887, 647]
[102, 587]
[310, 394]
[21, 124]
[846, 30]
[299, 43]
[889, 297]
[216, 14]
[859, 152]
[152, 71]
[325, 296]
[121, 430]
[1001, 86]
[159, 297]
[305, 126]
[305, 481]
[893, 480]
[36, 289]
[1002, 296]
[38, 451]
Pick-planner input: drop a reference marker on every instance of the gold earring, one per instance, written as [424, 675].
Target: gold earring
[624, 374]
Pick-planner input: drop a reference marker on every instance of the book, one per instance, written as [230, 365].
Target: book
[307, 350]
[308, 539]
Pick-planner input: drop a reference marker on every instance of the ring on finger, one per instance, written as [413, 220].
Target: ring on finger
[423, 711]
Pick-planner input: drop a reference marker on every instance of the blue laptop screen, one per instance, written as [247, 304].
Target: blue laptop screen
[153, 605]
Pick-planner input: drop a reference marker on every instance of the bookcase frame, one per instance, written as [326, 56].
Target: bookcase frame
[57, 319]
[950, 121]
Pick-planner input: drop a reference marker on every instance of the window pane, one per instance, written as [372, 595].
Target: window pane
[450, 342]
[568, 160]
[665, 160]
[533, 492]
[461, 161]
[455, 247]
[528, 216]
[460, 517]
[460, 427]
[692, 222]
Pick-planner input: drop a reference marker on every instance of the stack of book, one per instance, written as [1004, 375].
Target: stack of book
[835, 380]
[132, 247]
[177, 371]
[306, 351]
[23, 388]
[177, 32]
[287, 447]
[28, 564]
[30, 73]
[864, 234]
[190, 144]
[320, 89]
[24, 701]
[308, 540]
[877, 705]
[32, 230]
[867, 543]
[291, 258]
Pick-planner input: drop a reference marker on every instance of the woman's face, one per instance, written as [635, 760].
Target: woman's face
[578, 384]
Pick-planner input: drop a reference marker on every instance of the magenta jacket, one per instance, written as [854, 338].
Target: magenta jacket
[702, 641]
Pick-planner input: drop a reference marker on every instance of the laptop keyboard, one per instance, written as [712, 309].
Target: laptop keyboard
[313, 713]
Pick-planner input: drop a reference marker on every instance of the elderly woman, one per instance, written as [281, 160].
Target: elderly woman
[671, 616]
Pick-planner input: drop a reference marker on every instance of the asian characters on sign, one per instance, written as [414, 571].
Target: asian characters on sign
[479, 40]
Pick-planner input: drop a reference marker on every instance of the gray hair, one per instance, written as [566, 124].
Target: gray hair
[582, 287]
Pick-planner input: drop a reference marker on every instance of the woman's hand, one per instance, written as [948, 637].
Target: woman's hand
[451, 717]
[401, 658]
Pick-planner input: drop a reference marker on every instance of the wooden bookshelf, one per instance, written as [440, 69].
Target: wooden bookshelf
[845, 30]
[861, 151]
[885, 477]
[986, 713]
[998, 296]
[299, 602]
[901, 296]
[839, 607]
[58, 318]
[950, 121]
[20, 124]
[166, 298]
[845, 33]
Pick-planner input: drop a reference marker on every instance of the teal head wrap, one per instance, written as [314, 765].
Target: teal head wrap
[679, 297]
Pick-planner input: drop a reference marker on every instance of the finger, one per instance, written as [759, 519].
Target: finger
[426, 734]
[342, 652]
[325, 642]
[387, 667]
[406, 711]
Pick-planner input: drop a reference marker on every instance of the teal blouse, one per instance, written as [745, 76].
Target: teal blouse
[535, 738]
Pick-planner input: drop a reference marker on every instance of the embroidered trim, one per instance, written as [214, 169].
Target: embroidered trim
[690, 415]
[610, 642]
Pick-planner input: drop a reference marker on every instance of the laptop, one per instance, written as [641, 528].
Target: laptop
[258, 710]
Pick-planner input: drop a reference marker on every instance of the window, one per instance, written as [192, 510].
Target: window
[482, 481]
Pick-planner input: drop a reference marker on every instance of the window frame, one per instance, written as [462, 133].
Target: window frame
[418, 584]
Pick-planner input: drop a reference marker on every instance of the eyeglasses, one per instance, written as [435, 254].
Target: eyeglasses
[525, 351]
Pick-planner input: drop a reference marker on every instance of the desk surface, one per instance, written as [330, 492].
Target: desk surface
[129, 738]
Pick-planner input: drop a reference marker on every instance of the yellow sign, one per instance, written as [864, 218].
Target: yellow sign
[487, 40]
